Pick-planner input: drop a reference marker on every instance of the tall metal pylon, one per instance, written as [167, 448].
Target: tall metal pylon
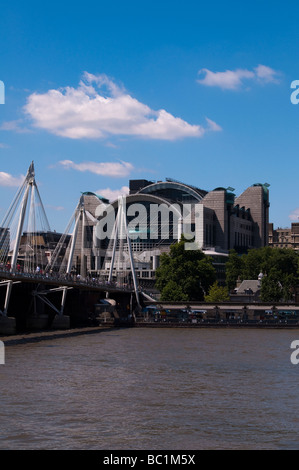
[79, 217]
[25, 196]
[121, 233]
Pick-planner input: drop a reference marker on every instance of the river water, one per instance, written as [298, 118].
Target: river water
[152, 389]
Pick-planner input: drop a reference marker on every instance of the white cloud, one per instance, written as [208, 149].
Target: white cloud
[294, 215]
[213, 126]
[8, 180]
[112, 194]
[235, 79]
[266, 75]
[55, 208]
[114, 169]
[227, 80]
[99, 108]
[16, 126]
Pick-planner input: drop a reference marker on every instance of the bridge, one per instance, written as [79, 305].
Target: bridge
[21, 260]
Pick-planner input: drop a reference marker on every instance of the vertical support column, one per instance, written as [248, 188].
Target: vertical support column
[114, 237]
[132, 264]
[71, 255]
[121, 230]
[32, 260]
[83, 268]
[16, 247]
[127, 235]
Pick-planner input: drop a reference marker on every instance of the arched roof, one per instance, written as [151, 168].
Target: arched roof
[140, 198]
[163, 186]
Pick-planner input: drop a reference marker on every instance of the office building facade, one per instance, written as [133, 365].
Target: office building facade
[158, 213]
[284, 237]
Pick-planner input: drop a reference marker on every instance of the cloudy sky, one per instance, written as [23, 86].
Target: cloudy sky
[98, 93]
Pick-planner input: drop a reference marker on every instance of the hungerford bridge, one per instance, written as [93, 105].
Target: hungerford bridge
[28, 294]
[18, 262]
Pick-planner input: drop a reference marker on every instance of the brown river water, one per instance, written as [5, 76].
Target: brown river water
[152, 389]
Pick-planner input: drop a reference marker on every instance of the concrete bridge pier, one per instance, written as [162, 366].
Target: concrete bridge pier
[61, 322]
[37, 322]
[7, 325]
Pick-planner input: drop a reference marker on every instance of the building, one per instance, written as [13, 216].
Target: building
[89, 251]
[284, 237]
[248, 290]
[157, 214]
[37, 249]
[225, 221]
[4, 244]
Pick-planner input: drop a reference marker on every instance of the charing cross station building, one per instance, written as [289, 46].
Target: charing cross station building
[154, 215]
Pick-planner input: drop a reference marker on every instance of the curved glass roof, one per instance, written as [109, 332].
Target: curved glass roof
[174, 191]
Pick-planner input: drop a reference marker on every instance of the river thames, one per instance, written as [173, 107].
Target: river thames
[152, 389]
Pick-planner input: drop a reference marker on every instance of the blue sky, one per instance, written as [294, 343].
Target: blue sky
[97, 93]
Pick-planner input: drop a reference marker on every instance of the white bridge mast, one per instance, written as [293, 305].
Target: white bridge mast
[29, 185]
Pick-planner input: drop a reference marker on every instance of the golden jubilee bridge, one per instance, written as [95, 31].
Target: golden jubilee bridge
[37, 283]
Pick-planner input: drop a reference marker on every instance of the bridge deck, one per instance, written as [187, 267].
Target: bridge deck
[64, 281]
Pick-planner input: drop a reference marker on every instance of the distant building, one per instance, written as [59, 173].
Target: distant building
[284, 237]
[218, 219]
[37, 248]
[226, 221]
[248, 290]
[89, 251]
[4, 243]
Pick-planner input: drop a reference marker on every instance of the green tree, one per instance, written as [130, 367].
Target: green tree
[173, 292]
[184, 274]
[289, 283]
[280, 269]
[284, 260]
[278, 286]
[217, 293]
[271, 288]
[253, 262]
[233, 269]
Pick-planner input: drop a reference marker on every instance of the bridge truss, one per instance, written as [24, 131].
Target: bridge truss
[23, 259]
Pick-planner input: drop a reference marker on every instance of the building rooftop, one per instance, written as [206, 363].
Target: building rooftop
[251, 284]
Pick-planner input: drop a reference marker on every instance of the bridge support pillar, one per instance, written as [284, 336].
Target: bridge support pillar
[37, 322]
[7, 325]
[61, 322]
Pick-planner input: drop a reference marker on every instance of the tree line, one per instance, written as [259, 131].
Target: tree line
[188, 275]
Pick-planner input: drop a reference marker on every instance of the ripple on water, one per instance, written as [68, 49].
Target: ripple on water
[152, 389]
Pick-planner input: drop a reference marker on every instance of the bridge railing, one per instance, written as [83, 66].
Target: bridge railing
[63, 279]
